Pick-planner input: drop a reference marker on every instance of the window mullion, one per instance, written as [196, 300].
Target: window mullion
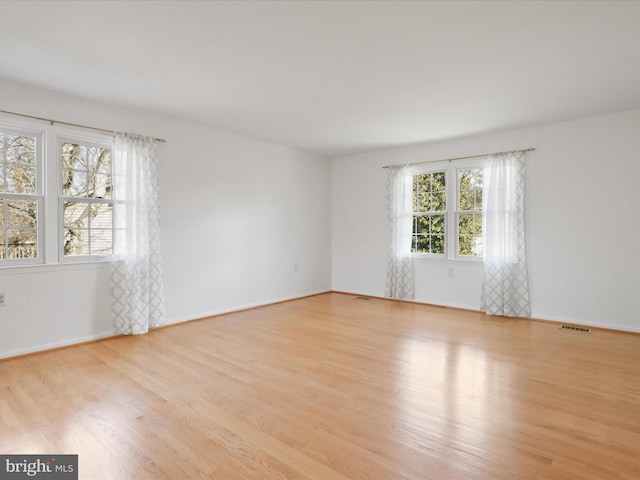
[452, 201]
[50, 183]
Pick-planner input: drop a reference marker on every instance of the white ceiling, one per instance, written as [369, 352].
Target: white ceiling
[334, 77]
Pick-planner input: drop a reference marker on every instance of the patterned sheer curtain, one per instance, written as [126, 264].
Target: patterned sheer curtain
[505, 290]
[400, 275]
[137, 297]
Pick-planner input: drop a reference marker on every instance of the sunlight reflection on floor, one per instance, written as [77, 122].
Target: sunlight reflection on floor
[453, 385]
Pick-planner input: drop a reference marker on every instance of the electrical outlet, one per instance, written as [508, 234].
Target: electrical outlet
[1, 299]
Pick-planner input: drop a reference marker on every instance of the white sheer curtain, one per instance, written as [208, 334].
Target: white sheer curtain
[505, 290]
[400, 275]
[137, 297]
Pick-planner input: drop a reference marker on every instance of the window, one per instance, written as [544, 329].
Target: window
[20, 197]
[429, 212]
[447, 212]
[86, 203]
[56, 194]
[469, 212]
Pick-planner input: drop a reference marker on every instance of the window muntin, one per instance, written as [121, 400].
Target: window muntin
[20, 197]
[447, 212]
[86, 203]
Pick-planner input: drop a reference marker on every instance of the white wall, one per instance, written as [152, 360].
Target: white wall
[581, 218]
[236, 215]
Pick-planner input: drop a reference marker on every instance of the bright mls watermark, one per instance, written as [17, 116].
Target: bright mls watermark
[44, 467]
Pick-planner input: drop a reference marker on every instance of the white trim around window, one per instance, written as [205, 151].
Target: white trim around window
[452, 211]
[15, 171]
[85, 194]
[48, 194]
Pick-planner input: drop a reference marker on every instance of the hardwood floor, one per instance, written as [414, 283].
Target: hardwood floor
[330, 387]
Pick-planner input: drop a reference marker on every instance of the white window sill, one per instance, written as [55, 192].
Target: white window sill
[52, 267]
[443, 259]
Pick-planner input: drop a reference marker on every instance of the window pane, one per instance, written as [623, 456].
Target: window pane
[22, 243]
[438, 202]
[73, 157]
[477, 224]
[101, 241]
[101, 216]
[465, 245]
[99, 159]
[437, 224]
[466, 200]
[438, 182]
[88, 228]
[421, 202]
[21, 149]
[421, 224]
[76, 214]
[429, 192]
[74, 184]
[470, 245]
[86, 171]
[465, 224]
[478, 245]
[470, 234]
[428, 234]
[20, 179]
[470, 224]
[76, 241]
[18, 216]
[437, 243]
[99, 185]
[470, 188]
[21, 213]
[421, 243]
[420, 183]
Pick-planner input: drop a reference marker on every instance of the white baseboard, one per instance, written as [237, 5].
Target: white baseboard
[90, 338]
[448, 305]
[607, 326]
[54, 345]
[239, 308]
[419, 301]
[213, 313]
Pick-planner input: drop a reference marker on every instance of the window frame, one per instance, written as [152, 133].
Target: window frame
[458, 211]
[38, 196]
[89, 142]
[426, 171]
[452, 205]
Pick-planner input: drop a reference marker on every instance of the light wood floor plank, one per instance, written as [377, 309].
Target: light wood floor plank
[333, 388]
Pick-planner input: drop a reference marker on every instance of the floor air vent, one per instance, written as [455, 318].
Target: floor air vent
[362, 298]
[577, 329]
